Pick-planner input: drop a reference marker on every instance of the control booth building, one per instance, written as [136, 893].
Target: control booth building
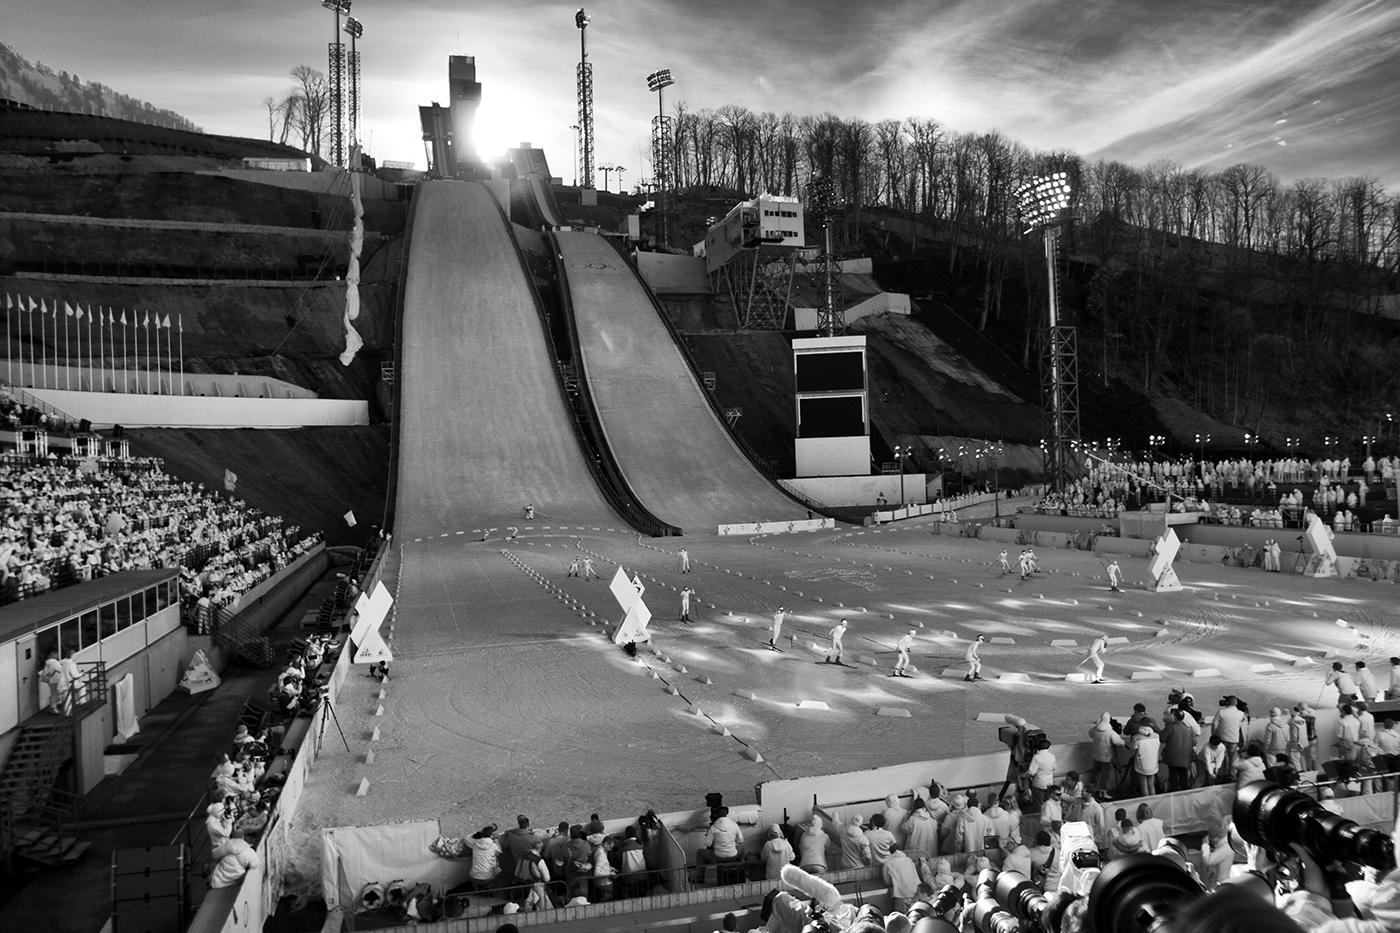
[768, 220]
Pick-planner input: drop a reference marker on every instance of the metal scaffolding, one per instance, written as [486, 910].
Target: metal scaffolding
[585, 100]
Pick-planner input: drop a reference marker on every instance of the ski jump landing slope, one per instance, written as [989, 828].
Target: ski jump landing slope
[483, 428]
[677, 457]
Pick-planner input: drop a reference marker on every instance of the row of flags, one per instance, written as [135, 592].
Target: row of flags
[101, 315]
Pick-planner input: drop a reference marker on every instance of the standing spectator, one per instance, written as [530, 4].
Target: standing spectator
[1073, 799]
[812, 847]
[1005, 826]
[486, 856]
[895, 816]
[634, 862]
[516, 843]
[1348, 733]
[776, 853]
[1052, 814]
[53, 675]
[722, 840]
[1104, 740]
[1178, 749]
[1096, 819]
[1393, 691]
[1041, 772]
[902, 876]
[556, 855]
[855, 847]
[1150, 828]
[1344, 682]
[1146, 760]
[881, 840]
[1276, 733]
[1229, 725]
[1365, 682]
[920, 832]
[1366, 723]
[72, 676]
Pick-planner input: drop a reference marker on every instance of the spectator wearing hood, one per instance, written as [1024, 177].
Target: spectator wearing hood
[811, 847]
[1229, 725]
[776, 853]
[1250, 766]
[895, 815]
[1147, 749]
[855, 847]
[1125, 840]
[1178, 748]
[920, 832]
[1104, 739]
[951, 821]
[971, 831]
[1005, 825]
[1018, 860]
[881, 840]
[940, 875]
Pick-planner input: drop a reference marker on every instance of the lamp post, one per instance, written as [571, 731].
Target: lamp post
[1044, 204]
[995, 451]
[606, 170]
[1368, 440]
[354, 29]
[1201, 441]
[1154, 444]
[901, 453]
[942, 473]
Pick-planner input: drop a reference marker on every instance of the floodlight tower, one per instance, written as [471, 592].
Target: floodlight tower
[1044, 204]
[335, 54]
[354, 29]
[585, 99]
[658, 81]
[821, 201]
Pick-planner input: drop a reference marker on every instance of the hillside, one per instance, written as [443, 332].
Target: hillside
[39, 86]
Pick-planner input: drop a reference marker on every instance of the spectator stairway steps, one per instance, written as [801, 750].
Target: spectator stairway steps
[48, 834]
[242, 639]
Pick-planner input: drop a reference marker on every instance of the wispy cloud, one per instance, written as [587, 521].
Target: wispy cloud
[1203, 82]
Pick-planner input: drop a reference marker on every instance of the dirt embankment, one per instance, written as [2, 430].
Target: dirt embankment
[311, 476]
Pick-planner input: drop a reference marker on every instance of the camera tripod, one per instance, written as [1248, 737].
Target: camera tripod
[330, 708]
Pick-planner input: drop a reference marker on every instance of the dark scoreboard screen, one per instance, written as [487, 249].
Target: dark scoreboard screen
[830, 372]
[830, 416]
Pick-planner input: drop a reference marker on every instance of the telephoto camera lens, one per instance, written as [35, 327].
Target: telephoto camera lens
[948, 899]
[986, 884]
[990, 917]
[1018, 894]
[1273, 816]
[1140, 892]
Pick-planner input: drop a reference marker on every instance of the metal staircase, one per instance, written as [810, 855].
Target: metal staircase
[37, 820]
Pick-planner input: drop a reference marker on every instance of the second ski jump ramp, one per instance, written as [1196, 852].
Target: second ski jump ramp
[676, 455]
[483, 428]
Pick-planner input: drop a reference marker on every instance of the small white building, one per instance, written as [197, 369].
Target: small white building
[767, 220]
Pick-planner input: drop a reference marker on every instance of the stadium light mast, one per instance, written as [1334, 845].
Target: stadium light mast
[1044, 204]
[335, 54]
[585, 99]
[821, 200]
[354, 29]
[658, 81]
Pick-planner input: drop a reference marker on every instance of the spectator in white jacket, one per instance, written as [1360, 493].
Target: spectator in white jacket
[776, 853]
[1146, 760]
[1104, 739]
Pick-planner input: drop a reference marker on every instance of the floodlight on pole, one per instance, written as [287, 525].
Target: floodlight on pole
[585, 98]
[335, 55]
[1044, 204]
[658, 81]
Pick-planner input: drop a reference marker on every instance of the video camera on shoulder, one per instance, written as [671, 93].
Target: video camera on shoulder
[1023, 739]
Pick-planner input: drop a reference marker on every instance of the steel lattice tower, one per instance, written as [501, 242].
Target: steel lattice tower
[658, 81]
[585, 99]
[354, 29]
[335, 61]
[821, 200]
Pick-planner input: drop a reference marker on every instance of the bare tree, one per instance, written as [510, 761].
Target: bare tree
[313, 99]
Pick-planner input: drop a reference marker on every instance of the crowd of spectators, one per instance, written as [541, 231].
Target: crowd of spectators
[65, 521]
[247, 778]
[1233, 492]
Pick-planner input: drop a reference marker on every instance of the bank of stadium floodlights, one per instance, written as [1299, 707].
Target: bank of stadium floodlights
[658, 81]
[335, 59]
[1044, 205]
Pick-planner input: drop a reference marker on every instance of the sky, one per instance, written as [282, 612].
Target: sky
[1303, 87]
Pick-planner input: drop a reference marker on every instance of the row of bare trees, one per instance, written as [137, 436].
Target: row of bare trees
[966, 180]
[302, 112]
